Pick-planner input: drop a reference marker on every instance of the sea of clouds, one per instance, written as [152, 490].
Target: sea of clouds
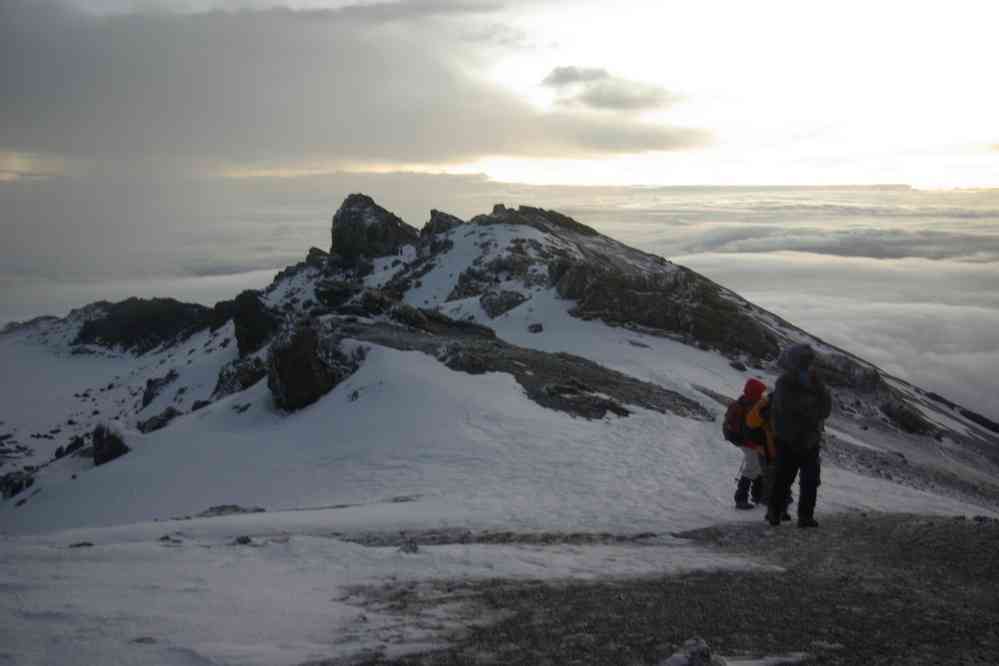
[907, 279]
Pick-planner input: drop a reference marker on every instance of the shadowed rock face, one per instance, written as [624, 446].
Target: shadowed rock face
[139, 324]
[304, 365]
[362, 228]
[159, 421]
[439, 223]
[108, 445]
[680, 302]
[254, 323]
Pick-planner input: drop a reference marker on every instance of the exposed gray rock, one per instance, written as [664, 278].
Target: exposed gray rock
[362, 228]
[159, 421]
[156, 385]
[557, 381]
[535, 328]
[679, 302]
[496, 303]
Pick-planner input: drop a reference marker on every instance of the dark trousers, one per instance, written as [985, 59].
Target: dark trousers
[790, 460]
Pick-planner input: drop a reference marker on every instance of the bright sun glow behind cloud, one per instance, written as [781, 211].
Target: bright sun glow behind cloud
[793, 92]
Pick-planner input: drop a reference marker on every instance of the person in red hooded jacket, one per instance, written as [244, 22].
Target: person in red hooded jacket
[751, 442]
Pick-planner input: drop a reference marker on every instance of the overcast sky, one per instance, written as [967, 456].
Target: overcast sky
[587, 92]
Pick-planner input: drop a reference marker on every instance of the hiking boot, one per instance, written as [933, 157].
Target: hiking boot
[785, 516]
[773, 520]
[807, 522]
[756, 491]
[742, 494]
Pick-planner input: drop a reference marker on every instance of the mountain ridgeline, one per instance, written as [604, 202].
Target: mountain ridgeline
[445, 290]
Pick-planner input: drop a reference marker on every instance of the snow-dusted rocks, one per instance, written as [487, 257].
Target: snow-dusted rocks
[238, 375]
[362, 228]
[159, 421]
[496, 303]
[155, 385]
[304, 364]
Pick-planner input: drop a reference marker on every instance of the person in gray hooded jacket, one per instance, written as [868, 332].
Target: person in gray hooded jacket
[800, 405]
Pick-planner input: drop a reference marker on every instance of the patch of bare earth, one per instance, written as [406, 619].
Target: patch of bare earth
[863, 588]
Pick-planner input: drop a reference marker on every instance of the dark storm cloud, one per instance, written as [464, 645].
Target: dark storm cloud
[364, 83]
[596, 88]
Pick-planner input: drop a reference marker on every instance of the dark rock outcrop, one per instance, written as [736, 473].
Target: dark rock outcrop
[499, 302]
[680, 302]
[254, 323]
[238, 376]
[305, 364]
[335, 293]
[439, 223]
[108, 445]
[139, 325]
[155, 386]
[906, 417]
[362, 228]
[14, 482]
[159, 421]
[842, 371]
[539, 218]
[316, 258]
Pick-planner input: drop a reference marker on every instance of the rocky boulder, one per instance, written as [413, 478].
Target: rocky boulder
[254, 323]
[304, 364]
[362, 228]
[108, 445]
[159, 421]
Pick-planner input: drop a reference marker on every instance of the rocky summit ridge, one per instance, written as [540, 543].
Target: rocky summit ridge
[444, 290]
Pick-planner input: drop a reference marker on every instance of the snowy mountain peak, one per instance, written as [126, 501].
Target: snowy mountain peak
[505, 353]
